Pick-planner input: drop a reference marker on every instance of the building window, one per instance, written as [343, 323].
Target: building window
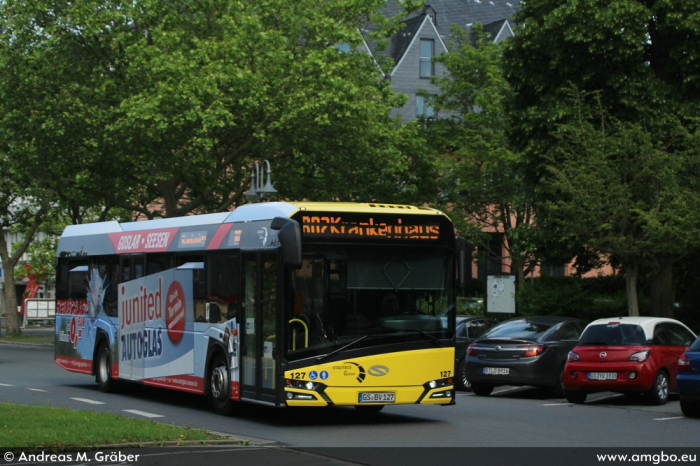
[423, 108]
[427, 50]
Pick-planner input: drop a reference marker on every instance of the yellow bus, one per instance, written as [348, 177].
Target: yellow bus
[280, 303]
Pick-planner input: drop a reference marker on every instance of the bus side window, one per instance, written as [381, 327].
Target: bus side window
[223, 283]
[107, 269]
[77, 280]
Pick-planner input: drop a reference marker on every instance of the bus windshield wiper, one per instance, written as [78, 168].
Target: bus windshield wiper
[342, 348]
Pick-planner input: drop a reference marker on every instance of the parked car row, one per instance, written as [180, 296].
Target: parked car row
[633, 355]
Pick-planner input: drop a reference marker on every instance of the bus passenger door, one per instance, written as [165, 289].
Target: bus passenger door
[258, 371]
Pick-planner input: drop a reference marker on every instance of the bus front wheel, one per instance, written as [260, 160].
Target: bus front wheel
[220, 386]
[103, 375]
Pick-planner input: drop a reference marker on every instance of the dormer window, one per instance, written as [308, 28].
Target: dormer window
[424, 108]
[427, 51]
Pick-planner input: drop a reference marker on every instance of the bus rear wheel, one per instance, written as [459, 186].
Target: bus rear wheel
[220, 386]
[103, 373]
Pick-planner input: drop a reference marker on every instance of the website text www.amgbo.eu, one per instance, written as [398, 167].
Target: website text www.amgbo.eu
[656, 458]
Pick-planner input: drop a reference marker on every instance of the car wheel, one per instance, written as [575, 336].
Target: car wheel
[462, 382]
[103, 372]
[576, 397]
[369, 409]
[220, 386]
[481, 389]
[658, 394]
[557, 390]
[690, 409]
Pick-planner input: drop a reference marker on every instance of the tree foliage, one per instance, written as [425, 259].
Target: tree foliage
[639, 59]
[481, 177]
[21, 207]
[619, 188]
[160, 107]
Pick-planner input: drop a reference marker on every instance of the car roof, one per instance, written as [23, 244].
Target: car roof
[464, 318]
[550, 320]
[647, 323]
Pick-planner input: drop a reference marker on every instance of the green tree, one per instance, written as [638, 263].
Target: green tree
[619, 187]
[481, 176]
[18, 209]
[639, 57]
[161, 107]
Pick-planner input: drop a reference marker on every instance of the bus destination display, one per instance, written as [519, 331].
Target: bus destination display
[336, 226]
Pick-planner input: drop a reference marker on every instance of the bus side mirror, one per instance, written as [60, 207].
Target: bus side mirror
[290, 240]
[464, 262]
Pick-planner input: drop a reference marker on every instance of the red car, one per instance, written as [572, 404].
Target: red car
[628, 355]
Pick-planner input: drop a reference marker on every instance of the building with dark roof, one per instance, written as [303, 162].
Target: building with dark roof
[426, 34]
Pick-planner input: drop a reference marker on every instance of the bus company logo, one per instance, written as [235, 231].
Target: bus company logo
[378, 371]
[349, 371]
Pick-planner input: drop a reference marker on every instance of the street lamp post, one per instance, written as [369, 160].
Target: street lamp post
[258, 192]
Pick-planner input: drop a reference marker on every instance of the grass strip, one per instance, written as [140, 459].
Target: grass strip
[59, 429]
[24, 338]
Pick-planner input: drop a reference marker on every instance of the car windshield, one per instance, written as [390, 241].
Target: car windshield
[695, 346]
[613, 334]
[519, 329]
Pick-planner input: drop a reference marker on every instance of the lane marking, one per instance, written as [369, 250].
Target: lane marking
[6, 385]
[556, 404]
[141, 413]
[507, 390]
[606, 397]
[668, 418]
[37, 390]
[85, 400]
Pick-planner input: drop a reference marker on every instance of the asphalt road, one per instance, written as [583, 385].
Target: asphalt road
[519, 418]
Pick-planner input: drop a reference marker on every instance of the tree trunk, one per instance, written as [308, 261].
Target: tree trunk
[661, 294]
[631, 273]
[8, 276]
[517, 266]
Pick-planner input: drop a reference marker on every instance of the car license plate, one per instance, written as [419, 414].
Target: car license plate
[377, 397]
[602, 376]
[496, 370]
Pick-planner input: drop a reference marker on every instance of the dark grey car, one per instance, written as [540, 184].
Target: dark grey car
[523, 351]
[469, 329]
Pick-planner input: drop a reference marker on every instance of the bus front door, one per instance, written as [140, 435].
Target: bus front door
[258, 371]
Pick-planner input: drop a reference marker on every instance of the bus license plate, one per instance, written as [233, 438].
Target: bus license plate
[602, 376]
[496, 370]
[377, 397]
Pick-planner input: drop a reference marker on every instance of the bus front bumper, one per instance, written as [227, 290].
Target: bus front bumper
[354, 396]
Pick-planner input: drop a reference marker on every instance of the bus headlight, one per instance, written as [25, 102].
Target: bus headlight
[438, 383]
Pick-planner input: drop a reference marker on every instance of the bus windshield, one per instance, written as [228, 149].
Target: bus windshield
[382, 293]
